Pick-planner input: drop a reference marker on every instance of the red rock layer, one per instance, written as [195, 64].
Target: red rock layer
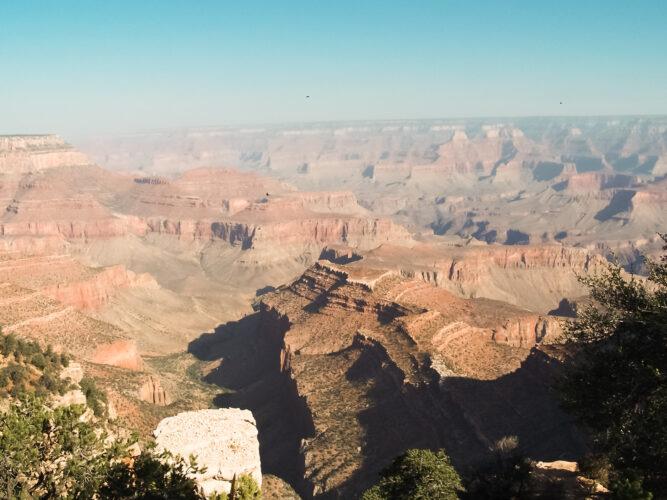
[93, 293]
[121, 354]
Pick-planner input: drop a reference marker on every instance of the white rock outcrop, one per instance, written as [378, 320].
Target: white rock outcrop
[224, 441]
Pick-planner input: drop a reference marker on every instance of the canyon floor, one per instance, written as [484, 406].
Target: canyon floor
[362, 288]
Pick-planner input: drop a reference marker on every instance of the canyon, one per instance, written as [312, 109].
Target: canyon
[350, 366]
[596, 182]
[361, 288]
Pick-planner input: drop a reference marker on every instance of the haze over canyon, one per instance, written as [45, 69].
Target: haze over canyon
[362, 288]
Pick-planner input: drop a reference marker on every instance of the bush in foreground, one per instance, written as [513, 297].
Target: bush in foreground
[419, 475]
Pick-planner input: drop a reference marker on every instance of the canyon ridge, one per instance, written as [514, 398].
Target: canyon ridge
[362, 288]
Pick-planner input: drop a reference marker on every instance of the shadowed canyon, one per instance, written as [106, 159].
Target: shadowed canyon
[363, 288]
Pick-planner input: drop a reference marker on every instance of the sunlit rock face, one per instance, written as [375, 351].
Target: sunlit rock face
[224, 441]
[576, 181]
[26, 153]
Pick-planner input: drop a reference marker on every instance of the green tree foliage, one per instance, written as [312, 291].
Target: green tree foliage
[95, 398]
[38, 361]
[47, 453]
[418, 475]
[616, 383]
[630, 488]
[152, 476]
[53, 453]
[246, 489]
[29, 367]
[243, 488]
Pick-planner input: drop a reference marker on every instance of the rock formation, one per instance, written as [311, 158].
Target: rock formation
[93, 293]
[30, 153]
[224, 441]
[373, 362]
[561, 477]
[153, 392]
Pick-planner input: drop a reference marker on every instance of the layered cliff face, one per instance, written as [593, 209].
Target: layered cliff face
[30, 306]
[118, 324]
[31, 153]
[536, 277]
[211, 235]
[77, 200]
[123, 270]
[100, 314]
[93, 293]
[368, 362]
[495, 148]
[597, 181]
[522, 181]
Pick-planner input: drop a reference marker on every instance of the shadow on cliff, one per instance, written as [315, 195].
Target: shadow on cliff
[249, 351]
[462, 415]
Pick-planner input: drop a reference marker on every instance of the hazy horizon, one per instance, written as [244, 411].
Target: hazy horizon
[81, 70]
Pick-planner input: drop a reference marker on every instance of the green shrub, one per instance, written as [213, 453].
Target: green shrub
[9, 345]
[247, 489]
[418, 474]
[53, 453]
[152, 476]
[95, 398]
[596, 467]
[630, 488]
[38, 361]
[17, 373]
[243, 488]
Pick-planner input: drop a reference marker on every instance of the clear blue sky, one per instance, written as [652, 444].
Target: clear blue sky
[81, 68]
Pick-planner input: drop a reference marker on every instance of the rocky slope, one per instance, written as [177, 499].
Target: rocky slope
[367, 363]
